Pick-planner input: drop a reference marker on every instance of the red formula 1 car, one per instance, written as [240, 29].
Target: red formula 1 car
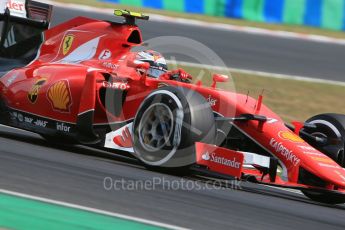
[74, 83]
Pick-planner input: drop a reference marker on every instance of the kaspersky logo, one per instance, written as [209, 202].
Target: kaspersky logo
[221, 160]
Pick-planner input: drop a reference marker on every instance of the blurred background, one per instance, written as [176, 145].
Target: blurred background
[327, 14]
[267, 44]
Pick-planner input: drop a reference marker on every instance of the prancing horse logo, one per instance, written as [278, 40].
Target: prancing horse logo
[67, 43]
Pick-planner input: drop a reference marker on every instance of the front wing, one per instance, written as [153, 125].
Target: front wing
[245, 166]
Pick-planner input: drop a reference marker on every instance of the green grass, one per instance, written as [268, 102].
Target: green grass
[291, 99]
[290, 28]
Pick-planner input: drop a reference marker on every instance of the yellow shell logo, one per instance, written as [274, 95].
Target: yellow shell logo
[290, 136]
[67, 43]
[59, 96]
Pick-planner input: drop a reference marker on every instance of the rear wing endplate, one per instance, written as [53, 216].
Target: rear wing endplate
[23, 24]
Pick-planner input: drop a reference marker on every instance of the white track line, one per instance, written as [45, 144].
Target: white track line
[98, 211]
[259, 73]
[211, 25]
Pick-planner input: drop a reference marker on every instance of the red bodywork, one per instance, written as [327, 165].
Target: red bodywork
[76, 61]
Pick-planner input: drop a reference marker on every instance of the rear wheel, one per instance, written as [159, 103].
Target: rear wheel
[168, 123]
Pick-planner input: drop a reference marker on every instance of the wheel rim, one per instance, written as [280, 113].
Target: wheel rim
[327, 130]
[155, 127]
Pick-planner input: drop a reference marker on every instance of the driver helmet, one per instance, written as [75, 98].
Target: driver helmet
[158, 65]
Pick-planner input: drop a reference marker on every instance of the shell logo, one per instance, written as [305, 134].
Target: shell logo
[290, 136]
[59, 96]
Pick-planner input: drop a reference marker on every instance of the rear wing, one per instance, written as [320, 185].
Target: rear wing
[23, 24]
[130, 16]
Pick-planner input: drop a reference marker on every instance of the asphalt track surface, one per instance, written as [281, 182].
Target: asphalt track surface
[247, 51]
[30, 165]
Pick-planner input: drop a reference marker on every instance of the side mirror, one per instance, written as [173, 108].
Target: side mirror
[143, 66]
[219, 78]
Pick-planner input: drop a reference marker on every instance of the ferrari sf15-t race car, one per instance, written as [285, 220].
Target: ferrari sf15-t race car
[74, 83]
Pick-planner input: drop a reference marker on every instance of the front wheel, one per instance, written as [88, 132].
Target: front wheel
[167, 125]
[332, 127]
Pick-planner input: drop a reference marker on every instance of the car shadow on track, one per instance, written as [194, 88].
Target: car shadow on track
[35, 139]
[292, 197]
[272, 192]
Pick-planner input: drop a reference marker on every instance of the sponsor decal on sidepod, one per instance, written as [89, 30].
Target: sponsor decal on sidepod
[41, 123]
[285, 152]
[110, 65]
[60, 126]
[27, 120]
[59, 96]
[115, 85]
[35, 89]
[105, 54]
